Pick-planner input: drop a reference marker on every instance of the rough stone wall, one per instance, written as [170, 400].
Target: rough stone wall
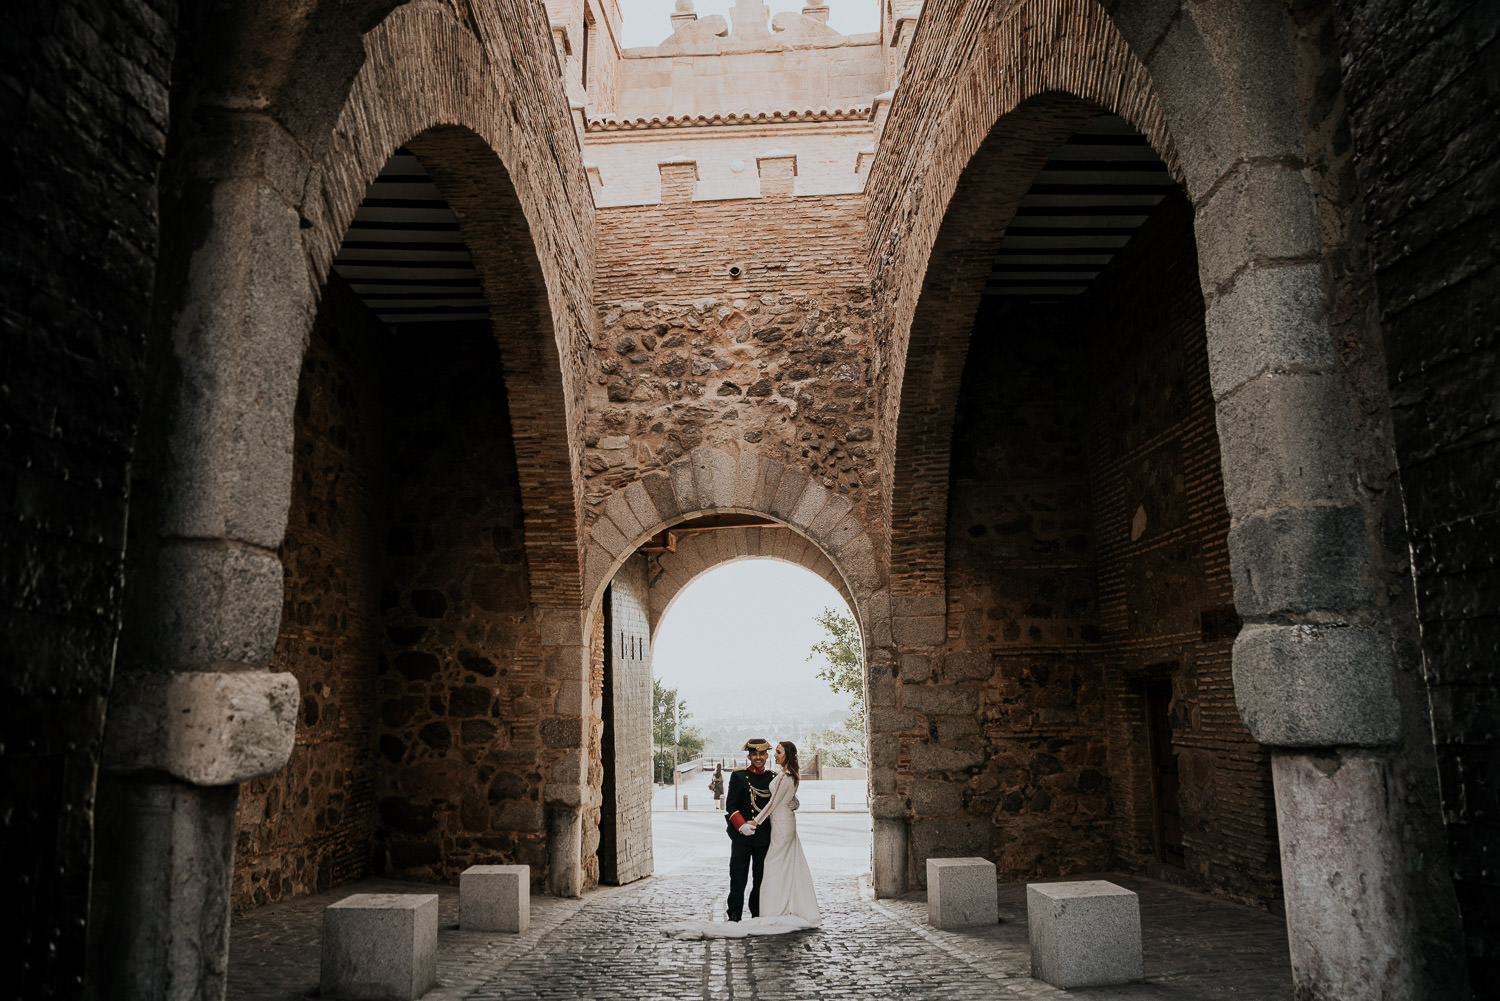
[1422, 91]
[309, 827]
[1005, 724]
[83, 93]
[776, 356]
[626, 854]
[462, 750]
[1166, 603]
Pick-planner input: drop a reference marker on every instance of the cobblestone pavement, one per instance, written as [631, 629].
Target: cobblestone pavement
[607, 945]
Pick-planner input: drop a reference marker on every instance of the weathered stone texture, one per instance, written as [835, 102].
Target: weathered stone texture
[775, 356]
[84, 97]
[309, 827]
[466, 736]
[1421, 90]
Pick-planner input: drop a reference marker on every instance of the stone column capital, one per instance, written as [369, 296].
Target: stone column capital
[206, 728]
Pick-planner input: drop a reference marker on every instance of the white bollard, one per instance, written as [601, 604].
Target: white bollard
[495, 898]
[380, 946]
[1083, 934]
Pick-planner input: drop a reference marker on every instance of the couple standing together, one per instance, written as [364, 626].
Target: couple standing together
[763, 826]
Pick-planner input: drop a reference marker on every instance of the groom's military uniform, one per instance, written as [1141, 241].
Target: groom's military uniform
[749, 792]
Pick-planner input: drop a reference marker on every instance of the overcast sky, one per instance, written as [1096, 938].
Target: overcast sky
[647, 22]
[736, 640]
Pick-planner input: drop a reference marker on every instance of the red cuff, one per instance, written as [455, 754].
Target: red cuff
[737, 820]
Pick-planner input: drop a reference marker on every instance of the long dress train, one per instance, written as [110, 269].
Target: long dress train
[788, 901]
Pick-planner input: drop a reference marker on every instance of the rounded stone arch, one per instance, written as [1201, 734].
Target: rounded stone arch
[423, 87]
[1233, 139]
[709, 480]
[1218, 92]
[1048, 85]
[696, 555]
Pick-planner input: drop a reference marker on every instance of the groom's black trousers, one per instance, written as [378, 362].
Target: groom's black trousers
[747, 856]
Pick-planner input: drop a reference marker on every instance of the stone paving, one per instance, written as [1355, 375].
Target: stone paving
[607, 946]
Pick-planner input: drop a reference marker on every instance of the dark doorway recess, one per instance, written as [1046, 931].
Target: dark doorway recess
[1164, 777]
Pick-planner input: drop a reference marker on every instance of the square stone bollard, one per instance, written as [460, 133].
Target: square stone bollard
[380, 946]
[1084, 934]
[495, 898]
[961, 892]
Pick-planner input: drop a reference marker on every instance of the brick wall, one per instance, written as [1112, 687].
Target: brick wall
[1166, 606]
[309, 827]
[1087, 558]
[1422, 90]
[84, 95]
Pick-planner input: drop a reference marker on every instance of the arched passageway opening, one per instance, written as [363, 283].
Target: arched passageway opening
[1079, 713]
[647, 595]
[407, 618]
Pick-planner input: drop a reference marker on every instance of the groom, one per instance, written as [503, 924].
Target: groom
[749, 792]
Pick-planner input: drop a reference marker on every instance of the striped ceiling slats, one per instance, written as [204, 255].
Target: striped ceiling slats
[403, 254]
[1082, 208]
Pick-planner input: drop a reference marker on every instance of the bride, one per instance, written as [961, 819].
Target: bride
[788, 901]
[789, 886]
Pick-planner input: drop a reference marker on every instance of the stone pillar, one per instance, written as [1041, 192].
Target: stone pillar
[679, 179]
[565, 850]
[778, 173]
[1316, 664]
[169, 926]
[565, 732]
[193, 711]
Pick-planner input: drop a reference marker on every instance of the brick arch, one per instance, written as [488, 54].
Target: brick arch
[672, 573]
[1216, 97]
[1217, 92]
[1060, 63]
[422, 87]
[709, 480]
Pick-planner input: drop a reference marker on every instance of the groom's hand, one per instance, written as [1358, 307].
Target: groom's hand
[748, 827]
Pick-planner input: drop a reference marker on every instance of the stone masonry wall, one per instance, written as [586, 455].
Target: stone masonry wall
[776, 356]
[84, 95]
[309, 827]
[1008, 753]
[1423, 91]
[626, 853]
[1166, 605]
[1086, 555]
[461, 751]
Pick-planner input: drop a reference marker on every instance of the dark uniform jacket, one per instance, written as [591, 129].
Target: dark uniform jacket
[748, 795]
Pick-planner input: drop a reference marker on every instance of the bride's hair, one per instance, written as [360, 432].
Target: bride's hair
[790, 765]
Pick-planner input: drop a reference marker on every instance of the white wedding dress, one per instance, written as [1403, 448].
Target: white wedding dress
[788, 901]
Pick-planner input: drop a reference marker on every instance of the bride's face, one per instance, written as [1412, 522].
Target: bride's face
[780, 755]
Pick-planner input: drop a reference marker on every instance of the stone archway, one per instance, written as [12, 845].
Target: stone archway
[1316, 665]
[698, 554]
[206, 587]
[820, 534]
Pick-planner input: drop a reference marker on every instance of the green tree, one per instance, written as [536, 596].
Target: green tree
[674, 741]
[843, 669]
